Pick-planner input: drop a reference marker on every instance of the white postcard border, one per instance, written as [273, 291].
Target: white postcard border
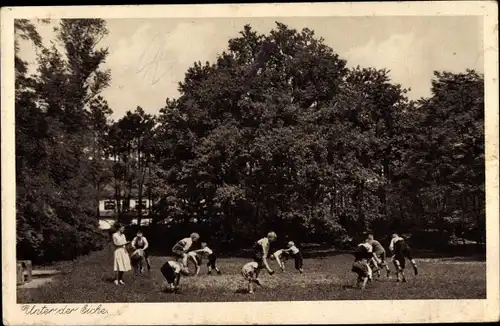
[311, 312]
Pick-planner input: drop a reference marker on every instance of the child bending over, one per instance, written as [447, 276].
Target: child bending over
[293, 251]
[250, 272]
[261, 252]
[172, 271]
[181, 248]
[198, 255]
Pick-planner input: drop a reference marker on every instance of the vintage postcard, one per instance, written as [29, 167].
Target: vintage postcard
[250, 164]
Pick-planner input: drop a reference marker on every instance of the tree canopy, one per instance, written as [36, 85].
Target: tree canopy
[277, 133]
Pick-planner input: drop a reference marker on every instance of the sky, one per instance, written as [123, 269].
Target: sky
[149, 57]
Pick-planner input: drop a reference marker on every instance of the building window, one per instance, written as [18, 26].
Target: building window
[109, 205]
[141, 205]
[125, 205]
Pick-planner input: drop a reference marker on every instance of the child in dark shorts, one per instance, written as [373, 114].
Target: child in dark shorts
[379, 256]
[172, 271]
[297, 256]
[209, 254]
[401, 251]
[181, 248]
[361, 268]
[362, 255]
[261, 251]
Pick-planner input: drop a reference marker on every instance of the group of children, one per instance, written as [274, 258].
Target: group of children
[251, 270]
[370, 257]
[173, 269]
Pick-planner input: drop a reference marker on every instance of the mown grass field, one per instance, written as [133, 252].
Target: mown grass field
[89, 279]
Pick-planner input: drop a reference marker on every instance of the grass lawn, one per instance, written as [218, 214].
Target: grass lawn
[89, 279]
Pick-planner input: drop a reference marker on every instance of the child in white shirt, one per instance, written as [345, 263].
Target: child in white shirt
[261, 251]
[297, 256]
[280, 256]
[205, 252]
[181, 248]
[250, 274]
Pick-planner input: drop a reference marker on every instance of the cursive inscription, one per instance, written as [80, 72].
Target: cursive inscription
[149, 62]
[86, 309]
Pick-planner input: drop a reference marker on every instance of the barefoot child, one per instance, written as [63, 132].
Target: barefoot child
[172, 271]
[198, 255]
[250, 273]
[181, 248]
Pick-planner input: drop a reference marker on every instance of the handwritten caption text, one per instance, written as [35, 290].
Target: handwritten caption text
[86, 309]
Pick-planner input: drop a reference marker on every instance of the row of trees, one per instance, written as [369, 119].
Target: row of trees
[277, 132]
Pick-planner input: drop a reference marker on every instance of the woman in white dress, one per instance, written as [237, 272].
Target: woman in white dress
[121, 257]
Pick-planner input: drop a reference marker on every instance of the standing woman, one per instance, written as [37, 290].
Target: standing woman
[121, 257]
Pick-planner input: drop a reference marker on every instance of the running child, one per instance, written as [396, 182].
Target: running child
[250, 272]
[297, 256]
[362, 255]
[401, 250]
[181, 248]
[172, 272]
[205, 252]
[379, 255]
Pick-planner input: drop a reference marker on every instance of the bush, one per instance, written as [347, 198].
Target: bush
[57, 240]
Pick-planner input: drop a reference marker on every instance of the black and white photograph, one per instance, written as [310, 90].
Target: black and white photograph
[250, 156]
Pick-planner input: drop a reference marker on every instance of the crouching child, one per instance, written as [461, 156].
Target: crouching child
[362, 269]
[362, 257]
[172, 272]
[250, 272]
[139, 261]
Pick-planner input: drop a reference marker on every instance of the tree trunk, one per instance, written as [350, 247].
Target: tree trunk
[140, 181]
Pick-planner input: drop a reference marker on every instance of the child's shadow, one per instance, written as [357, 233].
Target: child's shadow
[108, 279]
[348, 286]
[241, 291]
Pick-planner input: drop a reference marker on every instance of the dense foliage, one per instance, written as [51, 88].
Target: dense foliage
[277, 133]
[55, 119]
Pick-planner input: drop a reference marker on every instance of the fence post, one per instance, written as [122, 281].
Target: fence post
[27, 270]
[20, 274]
